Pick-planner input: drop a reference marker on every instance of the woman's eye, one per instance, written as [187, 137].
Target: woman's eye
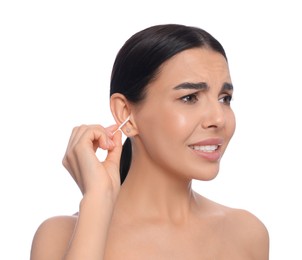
[226, 99]
[190, 99]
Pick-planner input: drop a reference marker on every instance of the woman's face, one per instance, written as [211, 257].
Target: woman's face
[186, 122]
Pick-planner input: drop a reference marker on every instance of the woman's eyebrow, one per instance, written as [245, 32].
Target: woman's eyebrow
[227, 87]
[202, 86]
[191, 85]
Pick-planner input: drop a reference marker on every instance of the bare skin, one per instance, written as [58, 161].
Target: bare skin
[155, 214]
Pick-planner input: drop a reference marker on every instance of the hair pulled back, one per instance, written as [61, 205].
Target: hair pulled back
[138, 62]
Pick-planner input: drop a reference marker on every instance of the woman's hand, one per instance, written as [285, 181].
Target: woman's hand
[91, 175]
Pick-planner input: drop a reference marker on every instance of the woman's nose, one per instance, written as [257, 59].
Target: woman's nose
[213, 115]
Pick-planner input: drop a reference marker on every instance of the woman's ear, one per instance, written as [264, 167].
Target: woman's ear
[121, 110]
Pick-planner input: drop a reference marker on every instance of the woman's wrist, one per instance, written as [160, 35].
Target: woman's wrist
[98, 199]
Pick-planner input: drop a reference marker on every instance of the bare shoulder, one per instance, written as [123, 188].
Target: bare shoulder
[240, 228]
[249, 231]
[244, 222]
[52, 238]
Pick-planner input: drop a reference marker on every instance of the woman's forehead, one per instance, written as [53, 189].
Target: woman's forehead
[194, 65]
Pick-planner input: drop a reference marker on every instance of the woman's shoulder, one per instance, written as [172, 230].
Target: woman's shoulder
[249, 232]
[52, 237]
[245, 223]
[242, 227]
[236, 218]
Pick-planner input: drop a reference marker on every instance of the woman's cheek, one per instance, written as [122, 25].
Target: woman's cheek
[231, 119]
[176, 124]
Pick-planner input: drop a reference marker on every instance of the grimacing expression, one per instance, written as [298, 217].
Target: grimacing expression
[186, 122]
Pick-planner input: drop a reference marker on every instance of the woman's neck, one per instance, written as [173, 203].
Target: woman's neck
[149, 192]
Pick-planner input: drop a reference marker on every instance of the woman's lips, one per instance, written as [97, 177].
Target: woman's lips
[205, 148]
[208, 149]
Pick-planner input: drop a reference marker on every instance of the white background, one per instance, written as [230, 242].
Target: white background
[55, 64]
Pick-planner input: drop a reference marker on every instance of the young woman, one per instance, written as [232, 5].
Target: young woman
[171, 87]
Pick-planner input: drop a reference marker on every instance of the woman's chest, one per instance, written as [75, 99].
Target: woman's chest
[163, 242]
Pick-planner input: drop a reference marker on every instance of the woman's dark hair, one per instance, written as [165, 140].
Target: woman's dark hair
[139, 60]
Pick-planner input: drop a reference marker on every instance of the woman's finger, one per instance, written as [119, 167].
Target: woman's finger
[114, 155]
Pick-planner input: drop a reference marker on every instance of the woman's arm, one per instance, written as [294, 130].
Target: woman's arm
[90, 234]
[84, 236]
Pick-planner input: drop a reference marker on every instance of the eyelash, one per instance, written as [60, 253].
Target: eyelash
[190, 99]
[193, 98]
[226, 99]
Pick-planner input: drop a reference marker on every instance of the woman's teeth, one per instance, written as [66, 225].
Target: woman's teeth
[205, 148]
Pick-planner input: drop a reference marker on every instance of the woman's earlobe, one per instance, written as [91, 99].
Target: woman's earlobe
[129, 128]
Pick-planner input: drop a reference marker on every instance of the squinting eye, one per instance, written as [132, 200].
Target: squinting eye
[190, 99]
[226, 99]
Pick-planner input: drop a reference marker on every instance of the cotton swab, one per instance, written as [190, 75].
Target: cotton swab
[120, 127]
